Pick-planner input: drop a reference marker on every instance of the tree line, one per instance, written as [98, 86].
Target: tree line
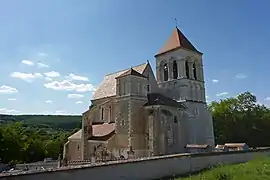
[235, 119]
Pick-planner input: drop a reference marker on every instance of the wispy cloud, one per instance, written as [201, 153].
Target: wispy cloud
[12, 99]
[79, 102]
[29, 77]
[42, 54]
[8, 90]
[67, 85]
[27, 62]
[215, 80]
[41, 65]
[241, 76]
[267, 99]
[48, 101]
[52, 74]
[75, 96]
[72, 76]
[222, 94]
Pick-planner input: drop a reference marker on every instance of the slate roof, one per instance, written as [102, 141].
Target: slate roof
[99, 130]
[160, 99]
[177, 40]
[107, 87]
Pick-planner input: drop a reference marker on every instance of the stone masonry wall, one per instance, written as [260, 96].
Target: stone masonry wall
[143, 169]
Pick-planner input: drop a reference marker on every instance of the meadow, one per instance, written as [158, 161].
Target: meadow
[258, 169]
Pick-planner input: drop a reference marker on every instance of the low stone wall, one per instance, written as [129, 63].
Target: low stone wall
[143, 169]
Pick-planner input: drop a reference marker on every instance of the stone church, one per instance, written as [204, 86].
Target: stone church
[137, 114]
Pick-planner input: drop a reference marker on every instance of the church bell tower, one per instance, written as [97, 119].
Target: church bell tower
[180, 70]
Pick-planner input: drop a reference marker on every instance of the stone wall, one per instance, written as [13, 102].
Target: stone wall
[149, 168]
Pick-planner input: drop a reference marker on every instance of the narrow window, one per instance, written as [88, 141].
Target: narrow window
[175, 119]
[175, 70]
[165, 72]
[194, 71]
[148, 88]
[78, 147]
[187, 70]
[124, 88]
[102, 113]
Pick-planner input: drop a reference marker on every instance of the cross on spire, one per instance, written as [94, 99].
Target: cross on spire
[175, 22]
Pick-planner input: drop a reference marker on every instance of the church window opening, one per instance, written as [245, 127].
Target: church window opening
[175, 70]
[78, 147]
[124, 88]
[194, 71]
[166, 72]
[148, 88]
[102, 113]
[187, 69]
[175, 119]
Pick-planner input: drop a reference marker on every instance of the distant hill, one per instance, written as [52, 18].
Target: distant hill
[62, 122]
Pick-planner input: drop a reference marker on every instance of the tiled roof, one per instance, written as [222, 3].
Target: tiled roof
[197, 146]
[99, 130]
[107, 88]
[177, 40]
[132, 72]
[159, 99]
[234, 145]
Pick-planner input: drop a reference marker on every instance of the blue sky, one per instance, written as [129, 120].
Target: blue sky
[53, 54]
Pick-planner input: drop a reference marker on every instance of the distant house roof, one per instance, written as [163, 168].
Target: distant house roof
[177, 40]
[100, 131]
[160, 99]
[107, 87]
[197, 146]
[235, 145]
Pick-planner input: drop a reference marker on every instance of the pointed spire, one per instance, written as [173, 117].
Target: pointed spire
[177, 40]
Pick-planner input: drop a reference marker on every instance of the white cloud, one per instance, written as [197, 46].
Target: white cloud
[8, 111]
[29, 77]
[11, 99]
[241, 76]
[7, 89]
[48, 101]
[48, 79]
[215, 80]
[79, 102]
[27, 62]
[42, 54]
[76, 77]
[222, 94]
[75, 96]
[267, 99]
[66, 85]
[52, 74]
[41, 65]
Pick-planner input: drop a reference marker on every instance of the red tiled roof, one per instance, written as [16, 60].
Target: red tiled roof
[177, 40]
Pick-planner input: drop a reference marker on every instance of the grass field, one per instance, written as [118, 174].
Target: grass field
[258, 169]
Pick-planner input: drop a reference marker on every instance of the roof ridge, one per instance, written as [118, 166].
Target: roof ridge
[126, 69]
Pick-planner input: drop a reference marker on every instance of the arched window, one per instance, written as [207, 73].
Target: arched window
[187, 70]
[194, 71]
[165, 72]
[175, 70]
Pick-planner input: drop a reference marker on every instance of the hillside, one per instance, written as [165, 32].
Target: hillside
[65, 122]
[256, 169]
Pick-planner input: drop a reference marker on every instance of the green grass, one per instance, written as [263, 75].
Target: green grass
[258, 169]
